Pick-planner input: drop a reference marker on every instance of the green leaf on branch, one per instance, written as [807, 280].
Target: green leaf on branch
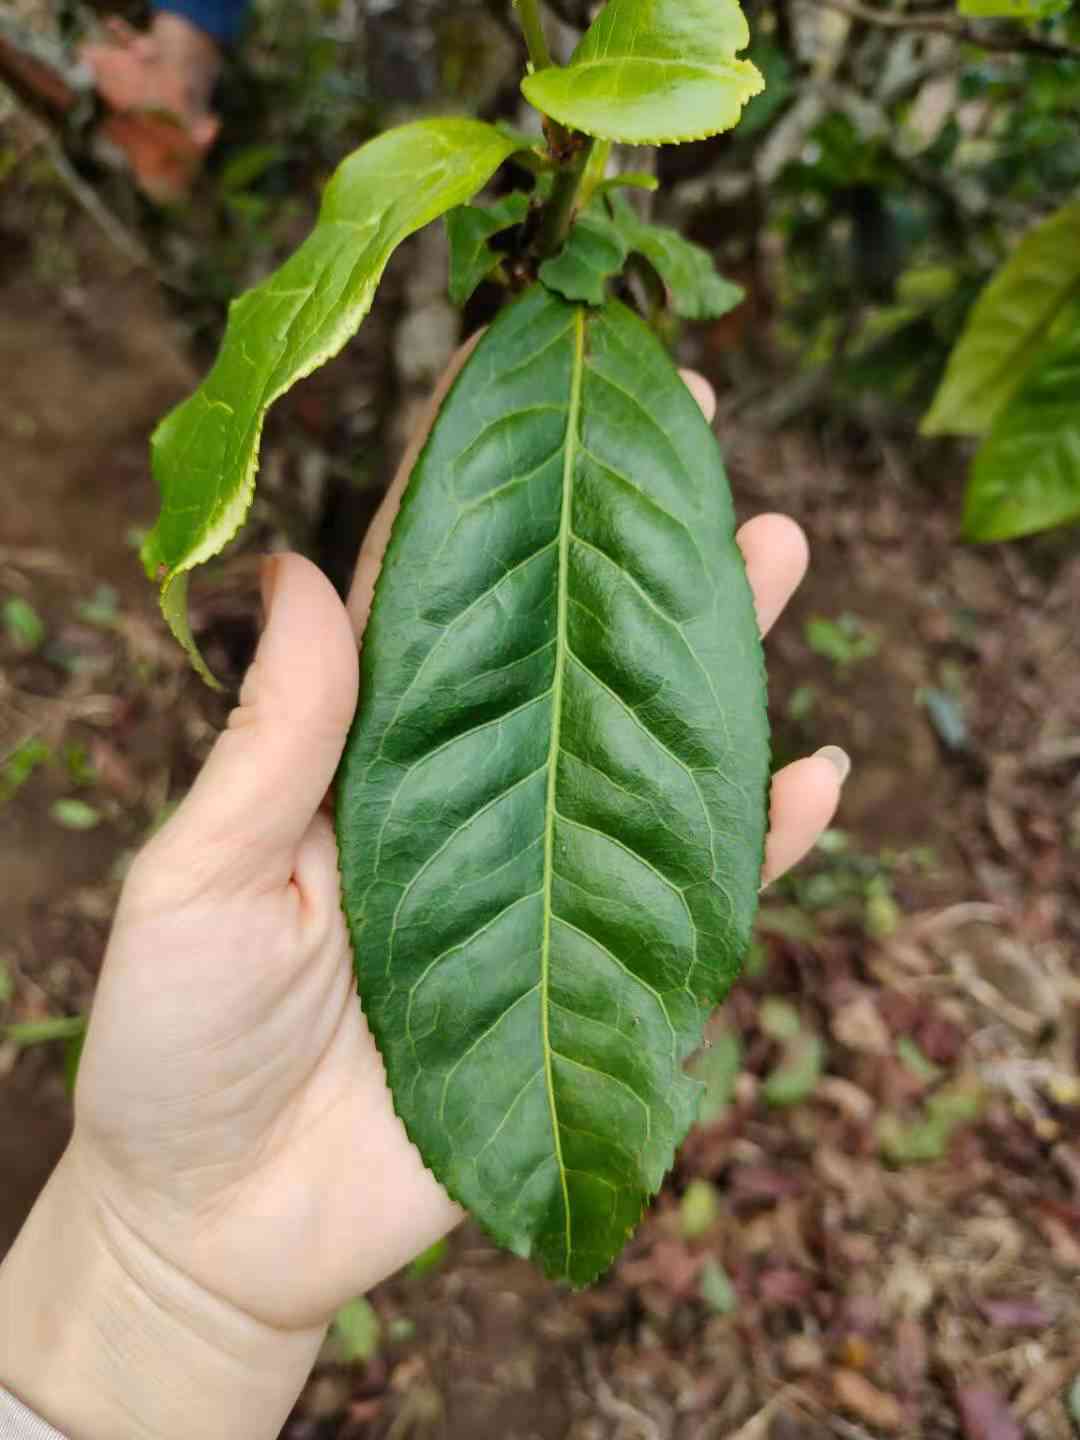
[607, 232]
[593, 253]
[686, 270]
[1026, 475]
[205, 454]
[1012, 9]
[1023, 310]
[470, 229]
[628, 180]
[653, 72]
[551, 808]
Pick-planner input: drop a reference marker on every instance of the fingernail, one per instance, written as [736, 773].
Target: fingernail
[839, 759]
[268, 578]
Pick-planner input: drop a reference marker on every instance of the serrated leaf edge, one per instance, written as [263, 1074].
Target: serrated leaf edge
[231, 516]
[649, 1194]
[621, 137]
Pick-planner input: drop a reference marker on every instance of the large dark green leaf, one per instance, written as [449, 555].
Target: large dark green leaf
[652, 72]
[551, 808]
[1026, 476]
[206, 452]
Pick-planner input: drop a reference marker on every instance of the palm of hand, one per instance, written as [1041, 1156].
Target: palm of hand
[232, 1113]
[241, 1127]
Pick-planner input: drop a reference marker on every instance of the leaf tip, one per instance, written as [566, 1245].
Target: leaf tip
[174, 607]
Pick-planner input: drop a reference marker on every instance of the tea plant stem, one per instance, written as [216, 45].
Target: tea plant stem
[595, 169]
[559, 211]
[533, 29]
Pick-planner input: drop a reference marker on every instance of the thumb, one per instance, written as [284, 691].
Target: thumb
[270, 769]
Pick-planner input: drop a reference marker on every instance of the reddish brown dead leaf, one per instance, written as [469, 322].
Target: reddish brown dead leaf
[912, 1357]
[858, 1025]
[1014, 1313]
[762, 1183]
[984, 1414]
[670, 1265]
[782, 1287]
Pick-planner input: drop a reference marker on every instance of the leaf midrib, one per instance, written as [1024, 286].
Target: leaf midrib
[701, 67]
[573, 420]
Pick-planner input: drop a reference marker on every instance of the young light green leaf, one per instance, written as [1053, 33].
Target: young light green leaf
[687, 271]
[628, 180]
[75, 814]
[551, 808]
[593, 253]
[1023, 309]
[796, 1076]
[21, 764]
[205, 453]
[469, 229]
[652, 72]
[717, 1290]
[1026, 475]
[24, 626]
[699, 1210]
[357, 1330]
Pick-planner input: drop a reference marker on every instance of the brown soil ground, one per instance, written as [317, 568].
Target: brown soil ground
[869, 1301]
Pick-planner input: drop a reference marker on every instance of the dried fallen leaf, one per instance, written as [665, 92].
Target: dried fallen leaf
[784, 1287]
[1015, 1313]
[912, 1354]
[802, 1354]
[860, 1397]
[858, 1025]
[984, 1415]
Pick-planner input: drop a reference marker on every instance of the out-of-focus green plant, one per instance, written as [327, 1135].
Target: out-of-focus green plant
[1014, 380]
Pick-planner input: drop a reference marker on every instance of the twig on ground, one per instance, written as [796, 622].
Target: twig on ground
[616, 1408]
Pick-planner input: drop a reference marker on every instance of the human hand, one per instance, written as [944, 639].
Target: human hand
[237, 1170]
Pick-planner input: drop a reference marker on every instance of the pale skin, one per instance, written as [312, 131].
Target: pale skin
[236, 1171]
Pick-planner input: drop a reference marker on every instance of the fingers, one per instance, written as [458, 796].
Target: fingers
[776, 554]
[251, 806]
[805, 795]
[702, 392]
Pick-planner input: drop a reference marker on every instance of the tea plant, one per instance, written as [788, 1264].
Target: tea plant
[1013, 380]
[551, 810]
